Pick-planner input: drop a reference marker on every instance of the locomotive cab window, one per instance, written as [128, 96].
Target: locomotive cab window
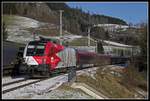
[40, 50]
[35, 50]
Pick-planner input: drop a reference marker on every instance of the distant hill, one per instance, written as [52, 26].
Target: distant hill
[74, 19]
[37, 11]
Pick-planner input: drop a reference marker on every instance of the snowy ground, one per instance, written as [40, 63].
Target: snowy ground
[18, 30]
[48, 88]
[89, 72]
[37, 88]
[69, 37]
[10, 79]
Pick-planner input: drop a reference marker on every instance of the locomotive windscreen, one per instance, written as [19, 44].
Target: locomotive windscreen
[37, 50]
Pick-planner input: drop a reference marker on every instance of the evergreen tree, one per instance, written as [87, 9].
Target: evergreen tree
[98, 32]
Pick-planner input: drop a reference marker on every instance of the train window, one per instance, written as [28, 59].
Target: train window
[129, 52]
[35, 50]
[31, 46]
[40, 47]
[122, 54]
[30, 51]
[39, 52]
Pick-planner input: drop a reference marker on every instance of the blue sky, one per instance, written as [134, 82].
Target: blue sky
[134, 12]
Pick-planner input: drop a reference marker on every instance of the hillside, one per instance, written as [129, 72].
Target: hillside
[38, 11]
[74, 20]
[77, 21]
[20, 29]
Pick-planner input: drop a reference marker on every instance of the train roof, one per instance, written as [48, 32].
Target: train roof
[37, 43]
[117, 44]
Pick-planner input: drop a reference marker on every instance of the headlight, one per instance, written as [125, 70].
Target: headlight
[52, 59]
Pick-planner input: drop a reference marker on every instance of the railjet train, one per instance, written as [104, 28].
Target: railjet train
[44, 57]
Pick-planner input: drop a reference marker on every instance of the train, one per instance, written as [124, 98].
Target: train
[43, 57]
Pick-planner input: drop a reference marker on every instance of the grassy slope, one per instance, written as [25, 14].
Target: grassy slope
[66, 87]
[45, 30]
[80, 42]
[111, 85]
[9, 19]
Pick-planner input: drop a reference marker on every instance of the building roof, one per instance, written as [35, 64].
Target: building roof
[116, 44]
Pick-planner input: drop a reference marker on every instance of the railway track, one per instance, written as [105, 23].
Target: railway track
[11, 86]
[14, 85]
[13, 82]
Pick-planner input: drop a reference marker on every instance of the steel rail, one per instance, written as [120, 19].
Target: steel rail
[21, 86]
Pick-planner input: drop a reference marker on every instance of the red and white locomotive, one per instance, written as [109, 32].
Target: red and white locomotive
[44, 57]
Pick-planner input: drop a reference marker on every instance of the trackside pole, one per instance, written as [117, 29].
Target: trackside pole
[33, 36]
[72, 74]
[61, 11]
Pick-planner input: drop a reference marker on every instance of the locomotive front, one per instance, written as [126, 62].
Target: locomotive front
[40, 58]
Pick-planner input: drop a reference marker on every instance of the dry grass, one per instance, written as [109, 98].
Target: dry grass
[8, 19]
[67, 87]
[109, 84]
[133, 78]
[81, 42]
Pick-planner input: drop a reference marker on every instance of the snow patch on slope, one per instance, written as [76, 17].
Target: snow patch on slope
[18, 31]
